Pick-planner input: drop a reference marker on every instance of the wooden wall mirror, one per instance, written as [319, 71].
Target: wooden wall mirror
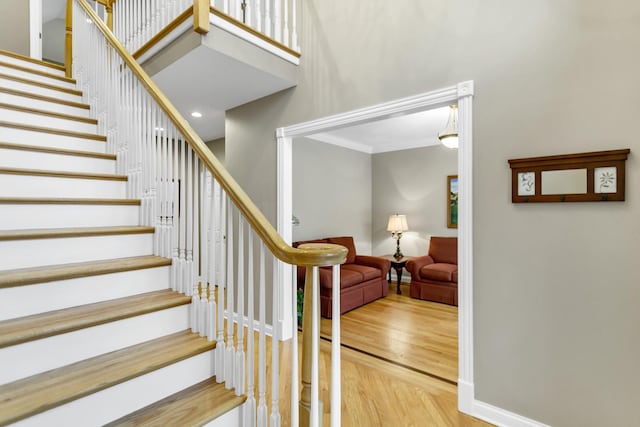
[583, 177]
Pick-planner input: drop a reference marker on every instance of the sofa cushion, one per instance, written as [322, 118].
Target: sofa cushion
[444, 249]
[347, 242]
[367, 273]
[348, 278]
[438, 271]
[454, 277]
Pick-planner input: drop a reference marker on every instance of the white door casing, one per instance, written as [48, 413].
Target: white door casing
[462, 94]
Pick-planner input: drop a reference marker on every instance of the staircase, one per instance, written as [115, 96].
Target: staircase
[90, 331]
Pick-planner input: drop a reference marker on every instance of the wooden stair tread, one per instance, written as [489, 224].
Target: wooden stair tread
[28, 276]
[56, 233]
[48, 113]
[54, 131]
[38, 326]
[40, 84]
[66, 201]
[40, 392]
[53, 150]
[37, 72]
[193, 406]
[43, 98]
[32, 60]
[63, 174]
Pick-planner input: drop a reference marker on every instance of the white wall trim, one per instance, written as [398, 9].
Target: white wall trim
[35, 29]
[463, 95]
[501, 417]
[341, 142]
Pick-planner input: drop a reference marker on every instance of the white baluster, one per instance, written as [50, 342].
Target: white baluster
[277, 24]
[220, 344]
[315, 338]
[336, 392]
[295, 381]
[230, 354]
[294, 28]
[258, 16]
[285, 23]
[275, 347]
[239, 362]
[267, 18]
[262, 401]
[250, 404]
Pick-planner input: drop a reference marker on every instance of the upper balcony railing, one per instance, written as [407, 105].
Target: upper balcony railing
[137, 23]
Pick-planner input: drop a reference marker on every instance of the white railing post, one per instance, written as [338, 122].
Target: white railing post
[275, 353]
[262, 353]
[250, 405]
[336, 392]
[294, 26]
[230, 354]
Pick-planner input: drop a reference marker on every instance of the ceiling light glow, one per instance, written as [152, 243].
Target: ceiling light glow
[196, 114]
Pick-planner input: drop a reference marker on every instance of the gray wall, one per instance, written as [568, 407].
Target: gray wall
[412, 182]
[14, 26]
[555, 285]
[53, 40]
[217, 147]
[331, 193]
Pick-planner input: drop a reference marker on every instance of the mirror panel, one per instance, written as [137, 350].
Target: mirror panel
[567, 181]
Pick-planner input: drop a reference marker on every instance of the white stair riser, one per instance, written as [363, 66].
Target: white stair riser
[112, 403]
[37, 160]
[53, 216]
[232, 418]
[85, 343]
[39, 104]
[31, 65]
[9, 115]
[45, 139]
[47, 186]
[34, 88]
[37, 252]
[26, 300]
[37, 77]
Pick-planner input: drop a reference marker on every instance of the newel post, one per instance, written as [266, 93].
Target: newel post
[310, 349]
[201, 16]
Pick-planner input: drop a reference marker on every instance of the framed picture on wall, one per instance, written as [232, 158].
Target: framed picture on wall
[452, 201]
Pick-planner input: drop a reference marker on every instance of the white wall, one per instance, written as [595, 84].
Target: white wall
[412, 182]
[14, 26]
[555, 285]
[53, 41]
[331, 193]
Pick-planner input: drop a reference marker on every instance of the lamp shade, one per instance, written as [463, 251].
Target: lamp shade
[397, 223]
[449, 136]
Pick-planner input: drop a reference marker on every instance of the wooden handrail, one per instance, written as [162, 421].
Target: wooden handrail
[320, 255]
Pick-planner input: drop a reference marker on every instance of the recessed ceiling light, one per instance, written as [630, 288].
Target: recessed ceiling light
[196, 114]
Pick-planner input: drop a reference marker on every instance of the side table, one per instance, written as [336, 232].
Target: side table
[398, 265]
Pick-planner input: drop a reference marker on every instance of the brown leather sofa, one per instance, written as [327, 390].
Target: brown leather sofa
[362, 278]
[434, 277]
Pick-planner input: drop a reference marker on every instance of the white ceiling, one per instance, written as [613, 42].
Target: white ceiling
[214, 84]
[393, 134]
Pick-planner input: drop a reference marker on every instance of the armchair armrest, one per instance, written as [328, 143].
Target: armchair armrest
[414, 265]
[376, 262]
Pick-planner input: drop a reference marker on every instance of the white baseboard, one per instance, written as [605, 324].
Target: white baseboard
[502, 417]
[484, 411]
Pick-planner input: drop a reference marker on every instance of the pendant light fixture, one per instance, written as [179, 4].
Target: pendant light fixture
[449, 136]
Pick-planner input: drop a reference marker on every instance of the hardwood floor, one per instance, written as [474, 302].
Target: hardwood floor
[419, 336]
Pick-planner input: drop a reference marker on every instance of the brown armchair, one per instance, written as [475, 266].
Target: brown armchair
[434, 277]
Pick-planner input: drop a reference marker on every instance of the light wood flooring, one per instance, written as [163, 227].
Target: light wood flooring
[399, 366]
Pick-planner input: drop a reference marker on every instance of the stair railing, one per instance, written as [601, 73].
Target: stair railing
[138, 22]
[223, 248]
